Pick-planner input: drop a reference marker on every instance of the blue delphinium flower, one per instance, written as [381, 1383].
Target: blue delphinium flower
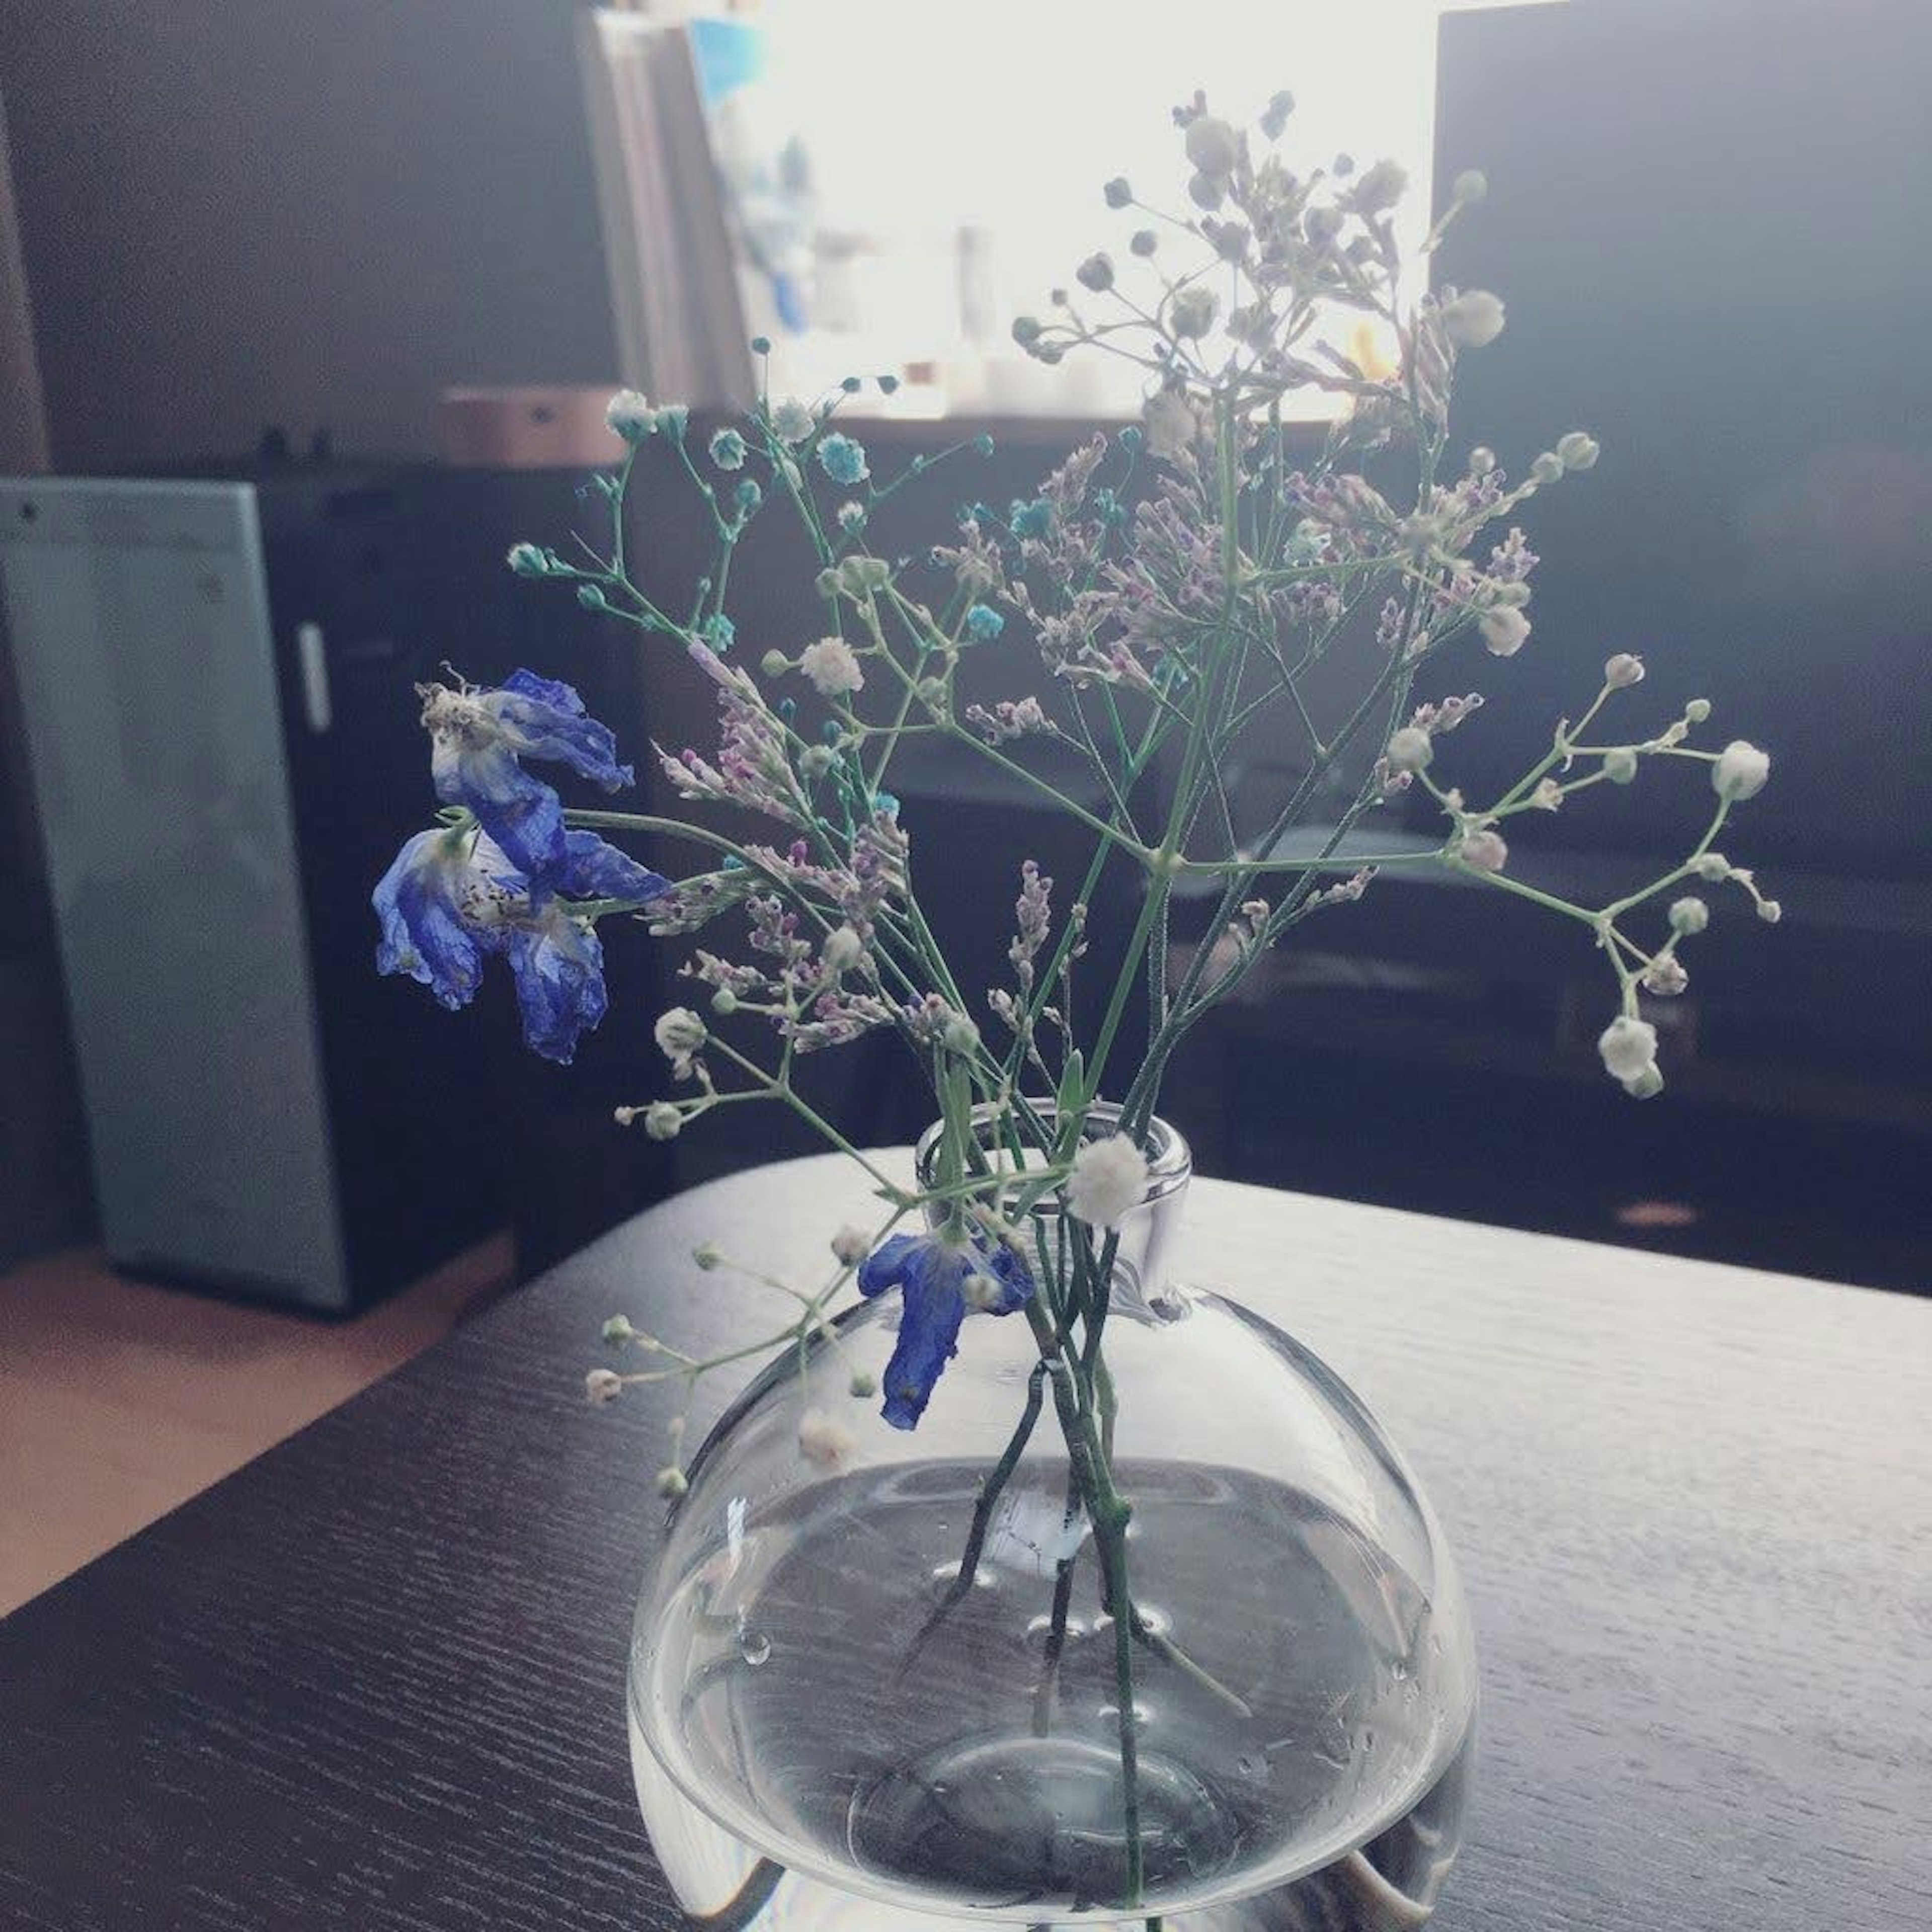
[843, 459]
[939, 1280]
[453, 900]
[477, 738]
[983, 623]
[444, 907]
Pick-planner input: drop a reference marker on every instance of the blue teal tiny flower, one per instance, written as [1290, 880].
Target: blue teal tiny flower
[938, 1281]
[592, 597]
[673, 419]
[850, 384]
[748, 496]
[843, 459]
[761, 345]
[526, 559]
[719, 632]
[727, 449]
[983, 623]
[888, 385]
[1034, 519]
[885, 804]
[983, 444]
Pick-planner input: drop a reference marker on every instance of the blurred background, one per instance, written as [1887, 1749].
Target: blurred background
[306, 313]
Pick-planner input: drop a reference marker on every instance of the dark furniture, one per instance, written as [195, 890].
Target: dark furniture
[375, 1680]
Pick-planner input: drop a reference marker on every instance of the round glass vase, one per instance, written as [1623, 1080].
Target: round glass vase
[879, 1686]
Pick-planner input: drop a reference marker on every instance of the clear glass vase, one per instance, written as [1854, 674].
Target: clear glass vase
[880, 1691]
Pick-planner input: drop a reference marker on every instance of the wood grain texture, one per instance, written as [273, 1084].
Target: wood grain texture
[374, 1680]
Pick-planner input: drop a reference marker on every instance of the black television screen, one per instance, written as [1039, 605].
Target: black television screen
[1708, 219]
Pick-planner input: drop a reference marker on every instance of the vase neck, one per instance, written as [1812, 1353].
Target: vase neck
[1146, 1236]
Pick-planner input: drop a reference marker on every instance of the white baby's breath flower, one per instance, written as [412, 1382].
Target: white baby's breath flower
[1410, 749]
[1740, 770]
[793, 422]
[843, 949]
[1548, 795]
[849, 1247]
[672, 1483]
[1484, 851]
[1620, 765]
[1689, 914]
[663, 1121]
[602, 1385]
[1168, 422]
[1473, 319]
[1107, 1182]
[824, 1441]
[1504, 630]
[1628, 1047]
[1623, 670]
[630, 416]
[832, 667]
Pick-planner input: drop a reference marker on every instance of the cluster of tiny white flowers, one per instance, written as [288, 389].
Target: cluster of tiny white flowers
[832, 667]
[1108, 1181]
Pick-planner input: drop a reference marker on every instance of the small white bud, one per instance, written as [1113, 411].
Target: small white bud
[1712, 868]
[1410, 750]
[848, 1246]
[707, 1255]
[816, 761]
[1212, 145]
[663, 1121]
[1471, 186]
[1665, 976]
[1623, 670]
[1192, 312]
[1473, 319]
[672, 1483]
[1628, 1047]
[1482, 460]
[1578, 450]
[1689, 914]
[1548, 795]
[1484, 851]
[1770, 911]
[618, 1331]
[1741, 771]
[774, 664]
[1504, 630]
[1697, 710]
[602, 1385]
[1645, 1085]
[680, 1032]
[843, 949]
[1620, 765]
[724, 1002]
[1548, 468]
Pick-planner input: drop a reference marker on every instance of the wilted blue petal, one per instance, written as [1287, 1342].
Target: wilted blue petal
[522, 813]
[558, 964]
[930, 1275]
[544, 717]
[442, 905]
[593, 869]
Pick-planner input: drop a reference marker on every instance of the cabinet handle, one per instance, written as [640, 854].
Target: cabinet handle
[313, 662]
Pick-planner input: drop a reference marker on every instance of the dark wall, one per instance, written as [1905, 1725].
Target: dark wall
[318, 214]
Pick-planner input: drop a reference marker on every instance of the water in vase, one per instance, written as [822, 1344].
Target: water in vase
[830, 1736]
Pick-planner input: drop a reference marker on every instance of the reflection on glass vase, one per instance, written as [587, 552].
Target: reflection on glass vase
[884, 1696]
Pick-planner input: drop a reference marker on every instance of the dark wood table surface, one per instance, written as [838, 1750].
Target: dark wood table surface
[375, 1679]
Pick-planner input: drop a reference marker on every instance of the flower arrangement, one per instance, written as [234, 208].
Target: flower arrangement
[1167, 589]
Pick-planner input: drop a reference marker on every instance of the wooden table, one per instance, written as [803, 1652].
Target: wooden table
[373, 1680]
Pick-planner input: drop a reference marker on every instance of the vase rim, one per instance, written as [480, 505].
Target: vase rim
[1170, 1160]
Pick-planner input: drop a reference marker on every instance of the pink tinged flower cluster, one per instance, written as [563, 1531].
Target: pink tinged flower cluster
[753, 768]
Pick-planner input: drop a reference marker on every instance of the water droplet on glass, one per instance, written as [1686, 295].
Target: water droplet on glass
[754, 1646]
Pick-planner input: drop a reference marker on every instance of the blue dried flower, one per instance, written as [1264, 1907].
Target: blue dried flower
[843, 459]
[748, 496]
[983, 623]
[452, 900]
[727, 449]
[719, 632]
[938, 1280]
[479, 739]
